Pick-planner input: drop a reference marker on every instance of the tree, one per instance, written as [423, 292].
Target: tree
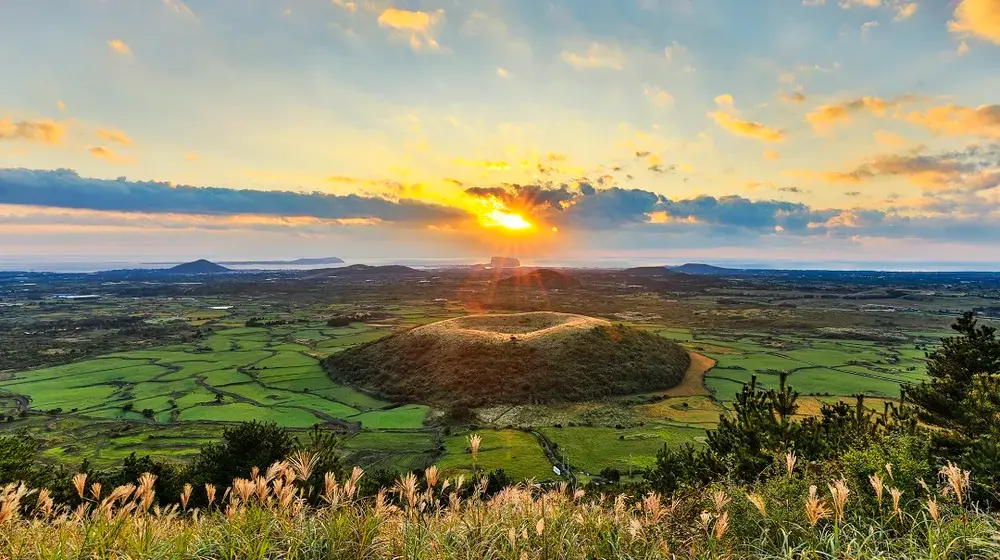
[17, 458]
[169, 477]
[952, 368]
[243, 446]
[751, 445]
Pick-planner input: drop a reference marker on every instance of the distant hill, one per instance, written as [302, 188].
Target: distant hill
[200, 266]
[542, 278]
[300, 262]
[703, 269]
[653, 271]
[361, 270]
[504, 262]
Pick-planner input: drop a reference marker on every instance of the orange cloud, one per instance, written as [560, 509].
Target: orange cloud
[724, 99]
[597, 55]
[418, 27]
[772, 155]
[824, 117]
[347, 5]
[46, 131]
[747, 128]
[886, 138]
[794, 97]
[956, 120]
[926, 171]
[120, 47]
[977, 18]
[114, 136]
[107, 154]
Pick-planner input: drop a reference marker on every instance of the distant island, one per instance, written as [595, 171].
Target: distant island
[300, 262]
[200, 266]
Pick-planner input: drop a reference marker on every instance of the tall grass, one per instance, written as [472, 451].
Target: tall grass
[274, 515]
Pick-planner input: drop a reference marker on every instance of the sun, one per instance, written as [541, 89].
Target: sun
[508, 220]
[494, 213]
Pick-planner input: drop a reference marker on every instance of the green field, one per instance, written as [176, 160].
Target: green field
[170, 400]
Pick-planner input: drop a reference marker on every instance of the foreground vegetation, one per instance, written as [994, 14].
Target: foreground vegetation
[270, 515]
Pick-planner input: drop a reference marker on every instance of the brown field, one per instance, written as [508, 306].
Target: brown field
[693, 383]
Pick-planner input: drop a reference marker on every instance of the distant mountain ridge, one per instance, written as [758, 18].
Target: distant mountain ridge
[703, 269]
[200, 266]
[362, 270]
[653, 271]
[306, 261]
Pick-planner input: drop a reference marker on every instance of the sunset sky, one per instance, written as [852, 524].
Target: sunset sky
[681, 130]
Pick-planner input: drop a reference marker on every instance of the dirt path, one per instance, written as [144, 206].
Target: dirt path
[693, 383]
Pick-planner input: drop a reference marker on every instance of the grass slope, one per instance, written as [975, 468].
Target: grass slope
[519, 358]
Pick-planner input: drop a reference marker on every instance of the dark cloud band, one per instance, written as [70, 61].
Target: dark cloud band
[64, 188]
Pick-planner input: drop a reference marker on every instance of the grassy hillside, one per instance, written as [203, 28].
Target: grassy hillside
[521, 358]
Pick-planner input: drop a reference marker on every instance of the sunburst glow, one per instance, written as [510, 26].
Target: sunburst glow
[499, 218]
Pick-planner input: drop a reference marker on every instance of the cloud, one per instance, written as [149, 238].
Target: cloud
[724, 100]
[120, 47]
[658, 97]
[956, 120]
[191, 157]
[675, 51]
[64, 188]
[346, 4]
[905, 10]
[114, 136]
[886, 138]
[179, 7]
[61, 106]
[971, 168]
[419, 27]
[867, 26]
[772, 155]
[794, 97]
[596, 55]
[977, 18]
[45, 131]
[825, 117]
[503, 72]
[750, 129]
[107, 154]
[963, 49]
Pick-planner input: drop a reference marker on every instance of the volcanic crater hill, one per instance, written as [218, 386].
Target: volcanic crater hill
[542, 278]
[518, 358]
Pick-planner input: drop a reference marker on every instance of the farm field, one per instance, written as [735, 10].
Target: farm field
[167, 400]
